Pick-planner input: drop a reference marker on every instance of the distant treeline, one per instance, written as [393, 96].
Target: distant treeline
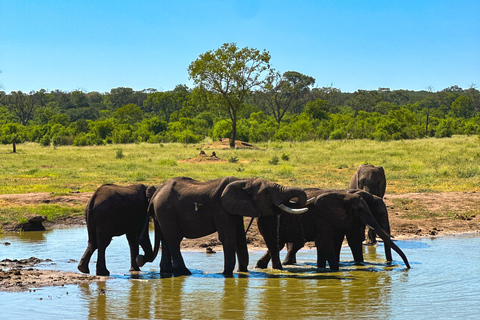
[124, 115]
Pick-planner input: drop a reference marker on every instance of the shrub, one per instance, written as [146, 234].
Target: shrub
[119, 153]
[87, 139]
[45, 141]
[274, 160]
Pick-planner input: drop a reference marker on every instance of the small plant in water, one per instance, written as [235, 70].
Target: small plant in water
[274, 160]
[119, 153]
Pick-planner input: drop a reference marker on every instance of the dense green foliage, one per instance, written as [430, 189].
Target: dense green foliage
[184, 115]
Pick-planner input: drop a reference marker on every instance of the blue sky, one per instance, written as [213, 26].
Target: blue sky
[99, 45]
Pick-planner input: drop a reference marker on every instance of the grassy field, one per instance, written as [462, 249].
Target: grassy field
[427, 165]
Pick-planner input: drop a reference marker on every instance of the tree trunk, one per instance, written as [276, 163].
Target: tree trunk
[233, 137]
[14, 142]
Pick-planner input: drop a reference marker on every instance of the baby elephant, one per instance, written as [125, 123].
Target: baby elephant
[114, 211]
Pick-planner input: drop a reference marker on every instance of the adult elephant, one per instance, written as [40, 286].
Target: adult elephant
[371, 179]
[114, 211]
[187, 208]
[327, 223]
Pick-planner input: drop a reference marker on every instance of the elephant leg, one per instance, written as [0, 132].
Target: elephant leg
[133, 244]
[147, 249]
[262, 263]
[103, 242]
[338, 243]
[372, 238]
[292, 249]
[326, 251]
[229, 247]
[84, 261]
[178, 264]
[241, 246]
[355, 240]
[166, 259]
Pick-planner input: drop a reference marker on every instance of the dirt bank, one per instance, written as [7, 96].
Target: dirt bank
[411, 215]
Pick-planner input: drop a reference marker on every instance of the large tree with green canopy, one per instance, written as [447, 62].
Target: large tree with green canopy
[230, 74]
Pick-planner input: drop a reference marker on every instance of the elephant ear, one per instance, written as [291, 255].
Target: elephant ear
[354, 181]
[150, 191]
[237, 199]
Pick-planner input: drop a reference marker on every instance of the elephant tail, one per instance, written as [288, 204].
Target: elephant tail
[90, 220]
[158, 237]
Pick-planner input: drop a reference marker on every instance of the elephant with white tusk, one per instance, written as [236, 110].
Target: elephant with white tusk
[187, 208]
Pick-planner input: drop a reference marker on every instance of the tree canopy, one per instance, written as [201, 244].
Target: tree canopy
[230, 73]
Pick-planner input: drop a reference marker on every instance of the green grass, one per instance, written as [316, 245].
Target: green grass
[426, 165]
[19, 214]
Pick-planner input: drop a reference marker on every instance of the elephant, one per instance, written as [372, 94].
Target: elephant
[184, 207]
[372, 180]
[328, 221]
[114, 211]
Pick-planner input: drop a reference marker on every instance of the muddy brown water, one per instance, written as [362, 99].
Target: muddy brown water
[443, 283]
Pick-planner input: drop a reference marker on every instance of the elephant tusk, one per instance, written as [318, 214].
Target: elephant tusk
[292, 211]
[309, 201]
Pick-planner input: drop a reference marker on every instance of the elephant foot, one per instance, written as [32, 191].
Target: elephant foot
[134, 269]
[103, 272]
[261, 264]
[83, 268]
[181, 272]
[140, 260]
[277, 266]
[287, 263]
[228, 274]
[245, 269]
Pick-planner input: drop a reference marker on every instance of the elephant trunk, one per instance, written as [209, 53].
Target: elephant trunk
[287, 193]
[372, 224]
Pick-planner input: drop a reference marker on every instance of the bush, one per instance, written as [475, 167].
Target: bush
[338, 134]
[87, 139]
[45, 141]
[274, 160]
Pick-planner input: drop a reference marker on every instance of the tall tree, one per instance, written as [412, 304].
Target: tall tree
[22, 106]
[474, 95]
[230, 73]
[280, 94]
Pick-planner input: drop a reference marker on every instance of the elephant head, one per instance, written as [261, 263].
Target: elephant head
[259, 197]
[369, 178]
[380, 213]
[348, 211]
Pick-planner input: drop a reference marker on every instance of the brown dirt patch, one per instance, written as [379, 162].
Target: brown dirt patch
[203, 157]
[225, 144]
[20, 275]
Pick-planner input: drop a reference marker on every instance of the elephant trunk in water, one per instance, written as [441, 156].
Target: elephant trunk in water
[372, 224]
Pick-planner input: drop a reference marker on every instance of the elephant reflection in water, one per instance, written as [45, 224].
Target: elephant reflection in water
[331, 216]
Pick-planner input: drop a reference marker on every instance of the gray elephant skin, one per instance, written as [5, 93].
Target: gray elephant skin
[372, 180]
[114, 211]
[187, 208]
[332, 216]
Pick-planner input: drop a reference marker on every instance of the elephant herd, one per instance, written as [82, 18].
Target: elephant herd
[186, 208]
